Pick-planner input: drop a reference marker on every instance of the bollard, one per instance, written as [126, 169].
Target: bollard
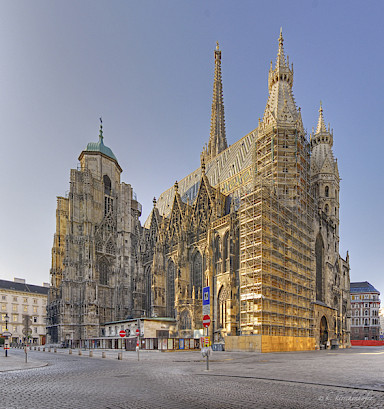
[80, 352]
[70, 352]
[43, 349]
[55, 350]
[38, 348]
[90, 354]
[34, 348]
[49, 349]
[120, 356]
[103, 354]
[30, 348]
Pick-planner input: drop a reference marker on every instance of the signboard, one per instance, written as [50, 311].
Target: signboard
[7, 334]
[206, 297]
[206, 321]
[137, 332]
[122, 333]
[205, 342]
[206, 301]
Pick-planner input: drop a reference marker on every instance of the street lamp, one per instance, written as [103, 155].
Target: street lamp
[6, 337]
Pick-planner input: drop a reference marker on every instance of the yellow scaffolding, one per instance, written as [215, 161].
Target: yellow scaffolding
[276, 259]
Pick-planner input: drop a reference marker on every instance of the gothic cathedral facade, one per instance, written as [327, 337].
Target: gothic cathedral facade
[257, 222]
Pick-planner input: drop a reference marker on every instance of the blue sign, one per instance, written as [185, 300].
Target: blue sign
[181, 343]
[206, 297]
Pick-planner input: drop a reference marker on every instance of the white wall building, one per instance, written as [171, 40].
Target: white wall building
[19, 300]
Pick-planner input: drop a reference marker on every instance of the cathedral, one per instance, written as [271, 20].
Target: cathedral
[257, 223]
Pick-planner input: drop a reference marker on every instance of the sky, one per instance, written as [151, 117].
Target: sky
[146, 67]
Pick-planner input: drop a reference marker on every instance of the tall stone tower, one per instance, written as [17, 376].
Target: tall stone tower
[331, 271]
[95, 266]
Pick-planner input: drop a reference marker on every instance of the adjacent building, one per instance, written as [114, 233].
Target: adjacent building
[365, 306]
[25, 306]
[257, 223]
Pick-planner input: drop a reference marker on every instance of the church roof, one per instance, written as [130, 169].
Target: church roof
[100, 147]
[363, 287]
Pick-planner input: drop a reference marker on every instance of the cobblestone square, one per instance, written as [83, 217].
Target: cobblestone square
[314, 379]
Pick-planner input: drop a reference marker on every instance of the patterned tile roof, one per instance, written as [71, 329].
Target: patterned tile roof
[363, 287]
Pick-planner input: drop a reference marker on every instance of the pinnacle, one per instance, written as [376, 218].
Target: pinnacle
[320, 123]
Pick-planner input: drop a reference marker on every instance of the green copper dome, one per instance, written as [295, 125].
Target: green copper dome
[100, 147]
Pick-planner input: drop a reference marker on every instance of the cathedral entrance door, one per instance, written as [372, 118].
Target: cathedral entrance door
[323, 331]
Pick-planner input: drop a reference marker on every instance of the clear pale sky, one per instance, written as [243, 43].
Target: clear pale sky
[146, 67]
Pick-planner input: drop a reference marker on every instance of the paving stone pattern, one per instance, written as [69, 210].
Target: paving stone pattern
[321, 379]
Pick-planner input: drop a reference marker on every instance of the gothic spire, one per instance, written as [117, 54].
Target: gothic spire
[217, 140]
[320, 123]
[322, 134]
[281, 106]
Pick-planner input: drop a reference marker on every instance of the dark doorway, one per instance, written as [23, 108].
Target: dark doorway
[323, 331]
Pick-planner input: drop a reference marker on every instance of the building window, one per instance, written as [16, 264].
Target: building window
[171, 289]
[319, 254]
[25, 308]
[26, 300]
[197, 273]
[326, 191]
[103, 272]
[14, 307]
[34, 301]
[326, 209]
[222, 310]
[217, 256]
[107, 185]
[15, 318]
[185, 320]
[3, 297]
[34, 319]
[15, 299]
[15, 328]
[34, 309]
[3, 307]
[226, 251]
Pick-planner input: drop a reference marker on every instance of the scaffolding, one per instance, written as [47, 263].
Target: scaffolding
[276, 259]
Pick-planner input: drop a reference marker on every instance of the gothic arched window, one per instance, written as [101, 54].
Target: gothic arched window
[107, 185]
[171, 289]
[148, 276]
[197, 273]
[326, 209]
[185, 320]
[319, 253]
[226, 251]
[217, 255]
[326, 191]
[222, 308]
[103, 272]
[110, 247]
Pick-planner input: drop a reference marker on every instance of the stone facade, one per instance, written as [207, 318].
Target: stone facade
[95, 275]
[257, 222]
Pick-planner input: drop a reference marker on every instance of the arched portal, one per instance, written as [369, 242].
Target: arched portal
[323, 331]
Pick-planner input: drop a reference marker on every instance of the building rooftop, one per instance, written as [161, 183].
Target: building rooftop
[26, 288]
[363, 287]
[100, 147]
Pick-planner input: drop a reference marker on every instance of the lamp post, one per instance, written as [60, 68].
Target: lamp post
[6, 338]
